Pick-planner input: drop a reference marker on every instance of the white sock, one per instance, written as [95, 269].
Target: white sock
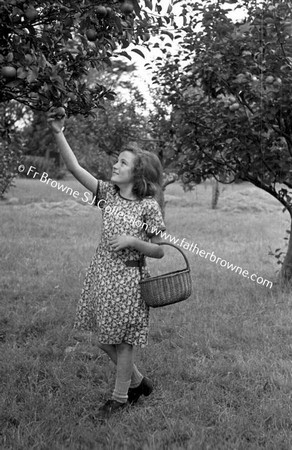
[136, 377]
[120, 393]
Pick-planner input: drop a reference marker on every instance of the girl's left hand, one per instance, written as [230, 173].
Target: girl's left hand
[119, 242]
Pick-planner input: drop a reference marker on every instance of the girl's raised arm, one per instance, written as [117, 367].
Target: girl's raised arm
[83, 176]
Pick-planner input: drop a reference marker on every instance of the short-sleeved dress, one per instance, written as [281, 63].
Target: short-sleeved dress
[111, 303]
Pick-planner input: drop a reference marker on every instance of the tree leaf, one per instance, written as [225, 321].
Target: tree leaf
[168, 33]
[138, 52]
[21, 73]
[149, 4]
[137, 8]
[124, 53]
[158, 8]
[32, 75]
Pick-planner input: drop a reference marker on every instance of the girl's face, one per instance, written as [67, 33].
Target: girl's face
[123, 169]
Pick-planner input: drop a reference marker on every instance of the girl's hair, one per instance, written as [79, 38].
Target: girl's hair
[148, 175]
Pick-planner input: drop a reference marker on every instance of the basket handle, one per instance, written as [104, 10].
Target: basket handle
[175, 246]
[142, 259]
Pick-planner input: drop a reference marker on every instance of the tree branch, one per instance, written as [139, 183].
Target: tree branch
[270, 191]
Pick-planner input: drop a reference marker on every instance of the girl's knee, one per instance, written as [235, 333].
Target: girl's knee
[103, 346]
[123, 347]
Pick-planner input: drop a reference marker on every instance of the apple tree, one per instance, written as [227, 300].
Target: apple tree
[47, 49]
[230, 90]
[96, 140]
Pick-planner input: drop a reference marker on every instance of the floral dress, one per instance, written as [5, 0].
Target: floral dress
[111, 303]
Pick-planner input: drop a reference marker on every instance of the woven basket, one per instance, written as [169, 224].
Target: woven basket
[168, 288]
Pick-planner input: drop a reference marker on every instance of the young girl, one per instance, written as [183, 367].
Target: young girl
[111, 303]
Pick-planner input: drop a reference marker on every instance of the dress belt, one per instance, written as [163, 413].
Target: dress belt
[135, 263]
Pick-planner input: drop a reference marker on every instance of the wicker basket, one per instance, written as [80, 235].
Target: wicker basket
[168, 288]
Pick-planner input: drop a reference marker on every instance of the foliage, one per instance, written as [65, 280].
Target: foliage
[97, 139]
[230, 91]
[9, 159]
[280, 253]
[47, 48]
[11, 146]
[162, 130]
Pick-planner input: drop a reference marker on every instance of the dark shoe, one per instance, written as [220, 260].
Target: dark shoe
[144, 388]
[110, 407]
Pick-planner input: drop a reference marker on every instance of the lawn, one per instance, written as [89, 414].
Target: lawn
[220, 361]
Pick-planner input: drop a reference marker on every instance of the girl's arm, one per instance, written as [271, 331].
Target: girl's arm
[150, 249]
[72, 164]
[84, 177]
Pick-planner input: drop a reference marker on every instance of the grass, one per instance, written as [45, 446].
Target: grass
[221, 361]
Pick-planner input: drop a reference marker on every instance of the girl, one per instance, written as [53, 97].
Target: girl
[110, 303]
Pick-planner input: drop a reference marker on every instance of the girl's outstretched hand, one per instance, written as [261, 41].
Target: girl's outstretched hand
[56, 119]
[119, 242]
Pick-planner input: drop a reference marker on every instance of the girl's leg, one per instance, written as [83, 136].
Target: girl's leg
[124, 372]
[122, 393]
[122, 355]
[111, 351]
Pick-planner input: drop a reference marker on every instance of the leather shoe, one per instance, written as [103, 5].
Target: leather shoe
[144, 388]
[110, 407]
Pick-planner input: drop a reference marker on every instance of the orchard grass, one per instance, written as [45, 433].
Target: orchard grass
[220, 361]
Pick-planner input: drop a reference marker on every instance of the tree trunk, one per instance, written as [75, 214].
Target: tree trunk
[286, 270]
[215, 194]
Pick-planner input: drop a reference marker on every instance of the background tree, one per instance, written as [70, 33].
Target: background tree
[230, 92]
[10, 150]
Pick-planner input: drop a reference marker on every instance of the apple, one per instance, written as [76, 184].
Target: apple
[16, 18]
[34, 96]
[241, 78]
[288, 27]
[8, 71]
[109, 12]
[146, 37]
[127, 7]
[60, 112]
[277, 82]
[31, 13]
[234, 106]
[91, 34]
[72, 96]
[28, 59]
[270, 79]
[101, 11]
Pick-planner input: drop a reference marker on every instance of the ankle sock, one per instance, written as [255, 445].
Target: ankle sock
[136, 377]
[120, 393]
